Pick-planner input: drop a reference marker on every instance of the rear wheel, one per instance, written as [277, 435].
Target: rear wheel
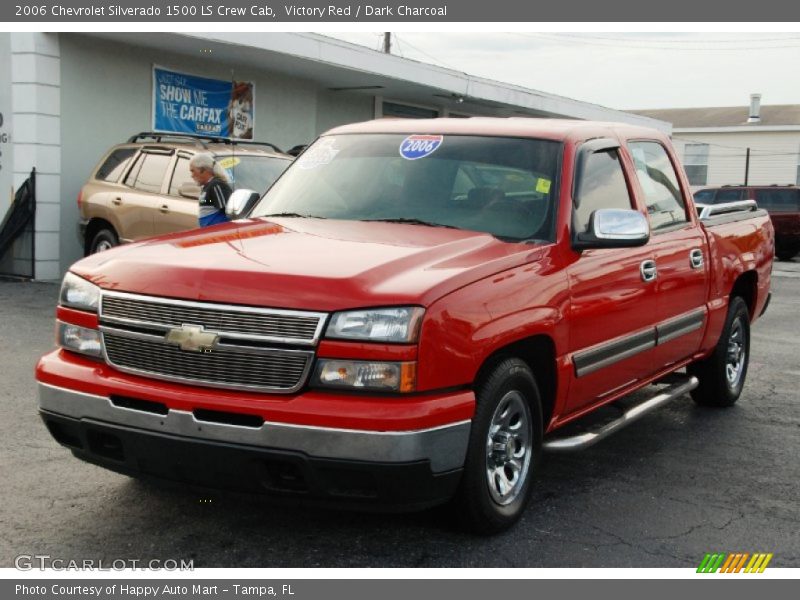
[722, 374]
[103, 239]
[504, 449]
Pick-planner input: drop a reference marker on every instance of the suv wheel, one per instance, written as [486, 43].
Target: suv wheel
[104, 239]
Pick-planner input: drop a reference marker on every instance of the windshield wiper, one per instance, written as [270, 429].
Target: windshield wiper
[291, 214]
[411, 222]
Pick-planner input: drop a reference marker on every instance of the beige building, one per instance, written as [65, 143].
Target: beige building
[755, 145]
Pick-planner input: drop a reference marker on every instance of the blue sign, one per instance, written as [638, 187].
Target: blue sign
[419, 146]
[200, 106]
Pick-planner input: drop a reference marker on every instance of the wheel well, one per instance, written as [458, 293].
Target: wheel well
[539, 354]
[92, 228]
[746, 288]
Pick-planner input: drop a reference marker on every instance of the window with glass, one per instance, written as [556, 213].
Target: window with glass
[728, 195]
[601, 184]
[148, 173]
[502, 186]
[114, 166]
[778, 199]
[180, 175]
[704, 196]
[695, 161]
[659, 182]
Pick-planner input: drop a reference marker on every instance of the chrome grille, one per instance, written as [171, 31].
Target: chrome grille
[236, 322]
[226, 366]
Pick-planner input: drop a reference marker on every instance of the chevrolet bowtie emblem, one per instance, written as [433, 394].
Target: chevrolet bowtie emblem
[192, 338]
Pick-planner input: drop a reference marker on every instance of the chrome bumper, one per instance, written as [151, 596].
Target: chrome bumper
[445, 447]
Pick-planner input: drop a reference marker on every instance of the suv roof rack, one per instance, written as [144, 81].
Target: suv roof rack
[202, 140]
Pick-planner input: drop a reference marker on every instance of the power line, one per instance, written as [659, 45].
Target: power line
[444, 64]
[686, 46]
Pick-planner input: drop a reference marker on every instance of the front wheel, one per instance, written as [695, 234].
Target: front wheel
[723, 373]
[104, 239]
[504, 449]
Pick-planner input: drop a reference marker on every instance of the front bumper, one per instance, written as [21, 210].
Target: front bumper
[382, 469]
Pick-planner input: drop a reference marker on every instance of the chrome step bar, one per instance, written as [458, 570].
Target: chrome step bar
[678, 386]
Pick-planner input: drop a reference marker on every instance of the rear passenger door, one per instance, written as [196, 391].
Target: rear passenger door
[680, 252]
[177, 213]
[138, 206]
[612, 298]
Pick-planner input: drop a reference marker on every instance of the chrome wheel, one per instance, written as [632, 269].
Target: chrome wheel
[103, 245]
[736, 353]
[508, 448]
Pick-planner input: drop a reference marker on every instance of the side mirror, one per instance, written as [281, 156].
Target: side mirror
[189, 190]
[240, 202]
[614, 228]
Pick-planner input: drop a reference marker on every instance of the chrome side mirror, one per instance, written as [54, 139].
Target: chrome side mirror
[240, 202]
[614, 228]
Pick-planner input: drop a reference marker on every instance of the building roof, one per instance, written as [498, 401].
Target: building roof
[341, 67]
[726, 116]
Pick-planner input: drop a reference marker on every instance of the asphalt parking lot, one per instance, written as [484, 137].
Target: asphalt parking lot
[682, 482]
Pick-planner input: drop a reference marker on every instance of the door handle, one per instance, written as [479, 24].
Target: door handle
[696, 258]
[164, 209]
[116, 201]
[648, 270]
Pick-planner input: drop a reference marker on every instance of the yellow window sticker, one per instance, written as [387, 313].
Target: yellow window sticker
[229, 162]
[543, 185]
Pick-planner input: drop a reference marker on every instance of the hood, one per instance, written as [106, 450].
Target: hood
[309, 264]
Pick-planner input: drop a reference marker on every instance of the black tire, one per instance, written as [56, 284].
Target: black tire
[786, 253]
[104, 239]
[722, 374]
[508, 411]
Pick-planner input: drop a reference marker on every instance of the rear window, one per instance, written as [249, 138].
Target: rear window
[114, 166]
[778, 200]
[728, 195]
[704, 196]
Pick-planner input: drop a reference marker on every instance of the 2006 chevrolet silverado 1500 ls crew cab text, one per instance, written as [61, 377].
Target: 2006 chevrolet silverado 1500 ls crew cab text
[409, 316]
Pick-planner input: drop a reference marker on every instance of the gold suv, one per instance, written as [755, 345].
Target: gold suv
[143, 187]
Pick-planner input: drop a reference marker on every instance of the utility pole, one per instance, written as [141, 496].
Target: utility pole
[747, 166]
[387, 43]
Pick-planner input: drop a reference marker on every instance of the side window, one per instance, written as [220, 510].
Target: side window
[728, 196]
[148, 173]
[116, 163]
[658, 179]
[180, 175]
[778, 200]
[601, 185]
[704, 196]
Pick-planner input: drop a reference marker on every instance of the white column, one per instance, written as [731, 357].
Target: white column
[36, 110]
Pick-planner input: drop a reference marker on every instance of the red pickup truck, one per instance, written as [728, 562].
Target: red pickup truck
[410, 316]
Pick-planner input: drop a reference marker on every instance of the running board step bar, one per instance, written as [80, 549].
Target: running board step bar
[679, 385]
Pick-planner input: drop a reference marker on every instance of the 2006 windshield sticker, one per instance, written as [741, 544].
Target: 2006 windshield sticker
[420, 146]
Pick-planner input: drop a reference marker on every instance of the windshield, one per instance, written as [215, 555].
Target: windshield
[502, 186]
[251, 172]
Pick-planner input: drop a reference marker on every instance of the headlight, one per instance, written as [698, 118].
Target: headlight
[377, 324]
[79, 339]
[79, 293]
[366, 375]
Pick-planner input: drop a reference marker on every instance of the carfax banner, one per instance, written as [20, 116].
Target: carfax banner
[184, 103]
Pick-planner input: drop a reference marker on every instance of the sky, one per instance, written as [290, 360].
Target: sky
[625, 71]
